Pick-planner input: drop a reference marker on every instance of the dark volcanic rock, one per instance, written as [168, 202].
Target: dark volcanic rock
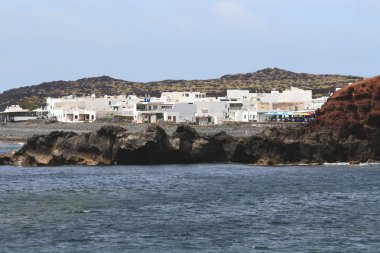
[194, 148]
[150, 147]
[5, 160]
[347, 129]
[114, 145]
[60, 148]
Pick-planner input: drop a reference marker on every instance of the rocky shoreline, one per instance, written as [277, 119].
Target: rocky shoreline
[112, 145]
[347, 129]
[21, 131]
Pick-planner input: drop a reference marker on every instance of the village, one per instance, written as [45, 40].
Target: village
[290, 105]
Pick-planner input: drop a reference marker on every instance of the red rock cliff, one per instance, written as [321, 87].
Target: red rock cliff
[355, 110]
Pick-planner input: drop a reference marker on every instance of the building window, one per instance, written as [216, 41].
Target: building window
[169, 117]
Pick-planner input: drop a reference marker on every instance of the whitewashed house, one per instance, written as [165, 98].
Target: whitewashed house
[15, 113]
[184, 97]
[150, 112]
[82, 109]
[181, 113]
[241, 95]
[212, 112]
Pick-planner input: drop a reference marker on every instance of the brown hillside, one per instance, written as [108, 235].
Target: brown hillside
[263, 80]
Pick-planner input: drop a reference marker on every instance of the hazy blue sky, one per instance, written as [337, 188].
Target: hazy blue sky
[145, 40]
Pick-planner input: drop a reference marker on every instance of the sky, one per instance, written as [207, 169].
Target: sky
[151, 40]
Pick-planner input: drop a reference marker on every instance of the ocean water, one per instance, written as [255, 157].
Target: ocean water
[6, 148]
[193, 208]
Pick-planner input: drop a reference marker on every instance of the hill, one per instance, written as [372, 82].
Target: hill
[263, 80]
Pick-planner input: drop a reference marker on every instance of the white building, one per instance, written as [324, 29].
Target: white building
[150, 112]
[293, 98]
[287, 96]
[181, 113]
[176, 107]
[82, 109]
[184, 97]
[211, 112]
[15, 113]
[241, 95]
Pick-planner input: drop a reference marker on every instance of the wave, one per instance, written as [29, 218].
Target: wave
[352, 164]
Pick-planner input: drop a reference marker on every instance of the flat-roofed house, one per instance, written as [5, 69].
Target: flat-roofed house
[15, 113]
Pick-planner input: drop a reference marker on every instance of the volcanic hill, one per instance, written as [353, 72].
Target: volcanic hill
[265, 80]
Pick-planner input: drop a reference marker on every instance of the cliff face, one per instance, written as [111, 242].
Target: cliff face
[354, 110]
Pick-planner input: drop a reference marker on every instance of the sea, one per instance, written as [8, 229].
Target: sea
[190, 208]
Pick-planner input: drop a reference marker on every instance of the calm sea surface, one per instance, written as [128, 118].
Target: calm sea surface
[197, 208]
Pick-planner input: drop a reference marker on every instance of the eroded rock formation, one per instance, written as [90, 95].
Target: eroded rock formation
[113, 145]
[354, 112]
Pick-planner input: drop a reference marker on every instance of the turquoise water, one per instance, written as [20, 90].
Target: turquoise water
[6, 148]
[195, 208]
